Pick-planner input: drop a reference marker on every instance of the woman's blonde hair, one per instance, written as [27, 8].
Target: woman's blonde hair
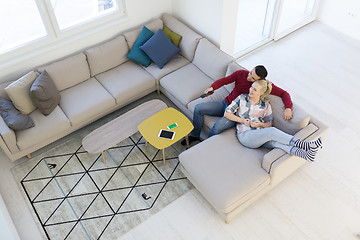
[266, 87]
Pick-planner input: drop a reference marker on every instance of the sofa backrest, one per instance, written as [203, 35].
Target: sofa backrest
[3, 94]
[189, 39]
[69, 71]
[299, 120]
[107, 55]
[214, 66]
[232, 67]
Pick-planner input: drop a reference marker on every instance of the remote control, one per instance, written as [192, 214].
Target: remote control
[207, 94]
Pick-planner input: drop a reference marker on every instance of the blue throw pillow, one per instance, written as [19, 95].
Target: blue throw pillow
[137, 54]
[160, 48]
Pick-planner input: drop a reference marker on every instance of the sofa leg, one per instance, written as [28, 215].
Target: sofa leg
[227, 222]
[29, 156]
[158, 92]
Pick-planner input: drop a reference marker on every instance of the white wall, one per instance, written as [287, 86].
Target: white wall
[342, 15]
[203, 15]
[139, 11]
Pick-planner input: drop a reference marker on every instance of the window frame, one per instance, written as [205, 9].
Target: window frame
[55, 35]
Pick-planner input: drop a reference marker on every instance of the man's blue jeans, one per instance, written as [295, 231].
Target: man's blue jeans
[211, 109]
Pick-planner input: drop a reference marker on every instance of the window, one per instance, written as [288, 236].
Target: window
[20, 23]
[294, 12]
[70, 13]
[24, 21]
[262, 21]
[254, 20]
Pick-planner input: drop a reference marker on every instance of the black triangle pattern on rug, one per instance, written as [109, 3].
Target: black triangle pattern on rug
[77, 196]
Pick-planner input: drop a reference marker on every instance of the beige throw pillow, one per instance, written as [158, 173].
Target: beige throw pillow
[19, 93]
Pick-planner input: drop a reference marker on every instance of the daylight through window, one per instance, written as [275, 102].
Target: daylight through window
[24, 21]
[20, 23]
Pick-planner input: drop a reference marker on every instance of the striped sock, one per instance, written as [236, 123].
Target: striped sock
[315, 145]
[307, 155]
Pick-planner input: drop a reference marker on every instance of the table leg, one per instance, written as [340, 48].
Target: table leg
[187, 141]
[164, 155]
[103, 156]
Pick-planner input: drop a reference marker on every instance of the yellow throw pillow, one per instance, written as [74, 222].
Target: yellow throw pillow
[174, 37]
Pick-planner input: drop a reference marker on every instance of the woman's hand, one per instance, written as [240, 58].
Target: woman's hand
[258, 124]
[247, 122]
[255, 124]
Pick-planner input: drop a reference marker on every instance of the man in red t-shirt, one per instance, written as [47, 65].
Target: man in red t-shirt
[243, 80]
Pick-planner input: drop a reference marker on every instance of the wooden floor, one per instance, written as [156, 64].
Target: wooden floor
[320, 68]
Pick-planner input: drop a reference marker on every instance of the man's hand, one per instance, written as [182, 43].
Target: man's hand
[209, 89]
[288, 113]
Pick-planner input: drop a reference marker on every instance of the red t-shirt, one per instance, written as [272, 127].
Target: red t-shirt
[242, 86]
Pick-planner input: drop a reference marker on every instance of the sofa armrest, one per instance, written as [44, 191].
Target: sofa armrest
[8, 138]
[280, 164]
[275, 154]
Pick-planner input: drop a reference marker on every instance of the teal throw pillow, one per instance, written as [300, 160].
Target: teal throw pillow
[136, 54]
[160, 48]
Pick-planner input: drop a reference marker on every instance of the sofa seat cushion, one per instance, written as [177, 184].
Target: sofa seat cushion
[182, 86]
[127, 82]
[85, 101]
[45, 127]
[209, 121]
[175, 63]
[228, 175]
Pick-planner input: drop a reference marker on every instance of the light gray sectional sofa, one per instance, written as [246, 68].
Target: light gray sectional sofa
[94, 83]
[99, 80]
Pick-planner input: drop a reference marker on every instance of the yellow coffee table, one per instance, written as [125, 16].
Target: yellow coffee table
[151, 127]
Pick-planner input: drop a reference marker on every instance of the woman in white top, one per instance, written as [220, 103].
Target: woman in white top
[254, 118]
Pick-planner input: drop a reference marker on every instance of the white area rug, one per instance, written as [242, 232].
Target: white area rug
[74, 195]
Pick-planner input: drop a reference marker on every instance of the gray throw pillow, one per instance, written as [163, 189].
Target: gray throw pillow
[44, 93]
[13, 118]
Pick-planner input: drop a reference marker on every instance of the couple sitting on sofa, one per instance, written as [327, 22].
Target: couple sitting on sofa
[247, 108]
